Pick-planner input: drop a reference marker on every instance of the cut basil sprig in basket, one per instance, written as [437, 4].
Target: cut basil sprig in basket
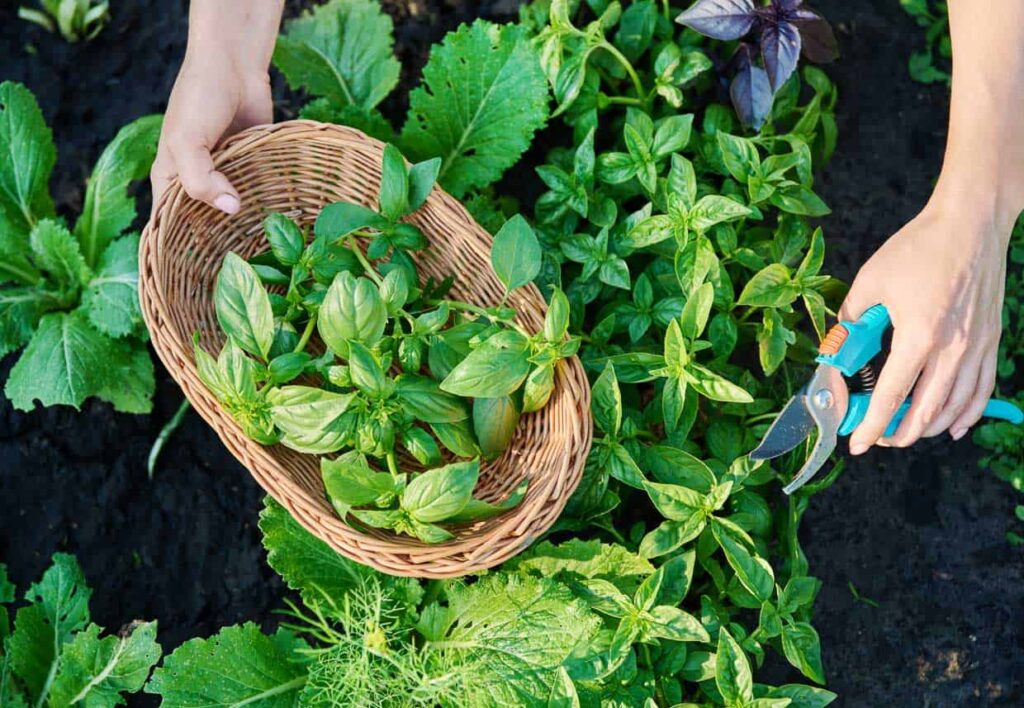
[402, 367]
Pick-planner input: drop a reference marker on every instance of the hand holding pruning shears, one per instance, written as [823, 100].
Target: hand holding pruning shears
[939, 280]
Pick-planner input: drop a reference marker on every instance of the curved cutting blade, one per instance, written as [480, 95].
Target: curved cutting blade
[826, 399]
[790, 428]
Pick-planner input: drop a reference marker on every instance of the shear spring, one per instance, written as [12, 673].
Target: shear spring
[867, 378]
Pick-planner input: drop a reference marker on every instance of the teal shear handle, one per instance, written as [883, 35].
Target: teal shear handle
[859, 407]
[849, 346]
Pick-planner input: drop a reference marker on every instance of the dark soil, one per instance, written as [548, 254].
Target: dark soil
[919, 531]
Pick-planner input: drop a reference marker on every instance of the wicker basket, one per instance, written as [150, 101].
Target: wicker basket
[296, 168]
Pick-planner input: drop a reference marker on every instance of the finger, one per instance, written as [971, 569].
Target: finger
[160, 176]
[908, 356]
[929, 397]
[258, 110]
[974, 410]
[201, 180]
[960, 395]
[857, 300]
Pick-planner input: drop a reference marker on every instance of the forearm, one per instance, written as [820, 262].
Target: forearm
[242, 31]
[984, 161]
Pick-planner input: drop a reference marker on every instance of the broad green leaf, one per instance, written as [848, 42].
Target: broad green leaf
[770, 287]
[285, 238]
[732, 671]
[693, 264]
[339, 219]
[422, 398]
[515, 253]
[673, 501]
[556, 321]
[27, 156]
[243, 307]
[311, 567]
[672, 465]
[494, 422]
[773, 339]
[20, 310]
[798, 199]
[676, 625]
[365, 371]
[59, 608]
[422, 177]
[696, 311]
[739, 155]
[457, 437]
[440, 493]
[515, 631]
[815, 304]
[310, 418]
[811, 263]
[802, 647]
[108, 208]
[715, 209]
[494, 369]
[586, 559]
[352, 310]
[483, 97]
[129, 382]
[539, 386]
[394, 184]
[95, 671]
[341, 50]
[57, 253]
[65, 362]
[349, 481]
[802, 696]
[752, 571]
[111, 297]
[710, 385]
[370, 121]
[672, 134]
[478, 510]
[237, 666]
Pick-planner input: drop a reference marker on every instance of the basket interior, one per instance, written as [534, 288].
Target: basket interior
[297, 177]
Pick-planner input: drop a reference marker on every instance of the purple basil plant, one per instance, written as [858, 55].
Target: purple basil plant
[777, 32]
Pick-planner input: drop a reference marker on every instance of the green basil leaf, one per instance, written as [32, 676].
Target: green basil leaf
[342, 218]
[312, 420]
[349, 481]
[440, 493]
[675, 625]
[496, 368]
[672, 135]
[606, 401]
[539, 386]
[394, 291]
[715, 209]
[798, 199]
[674, 502]
[754, 573]
[352, 311]
[802, 648]
[770, 287]
[732, 671]
[421, 445]
[457, 437]
[287, 366]
[366, 372]
[696, 311]
[710, 385]
[495, 421]
[423, 399]
[243, 307]
[422, 177]
[479, 510]
[670, 535]
[516, 254]
[739, 155]
[286, 240]
[556, 321]
[394, 184]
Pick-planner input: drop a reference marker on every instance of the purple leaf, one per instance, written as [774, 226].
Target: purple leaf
[819, 44]
[751, 91]
[780, 47]
[786, 6]
[720, 19]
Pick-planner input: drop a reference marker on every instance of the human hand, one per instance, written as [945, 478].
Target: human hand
[942, 278]
[211, 100]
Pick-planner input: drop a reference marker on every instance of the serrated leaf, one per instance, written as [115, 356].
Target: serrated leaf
[20, 310]
[311, 567]
[56, 252]
[95, 671]
[111, 297]
[515, 631]
[27, 156]
[65, 362]
[341, 50]
[129, 383]
[369, 121]
[108, 209]
[483, 97]
[237, 666]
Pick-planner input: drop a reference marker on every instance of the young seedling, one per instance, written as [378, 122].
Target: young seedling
[74, 20]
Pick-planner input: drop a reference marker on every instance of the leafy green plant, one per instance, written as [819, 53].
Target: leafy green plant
[466, 372]
[54, 656]
[69, 296]
[682, 244]
[563, 625]
[75, 20]
[932, 64]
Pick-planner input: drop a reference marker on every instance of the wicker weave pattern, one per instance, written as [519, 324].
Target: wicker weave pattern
[296, 168]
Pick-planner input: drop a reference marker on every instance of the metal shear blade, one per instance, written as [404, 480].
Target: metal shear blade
[821, 404]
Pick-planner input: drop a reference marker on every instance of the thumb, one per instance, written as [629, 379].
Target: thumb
[858, 299]
[201, 181]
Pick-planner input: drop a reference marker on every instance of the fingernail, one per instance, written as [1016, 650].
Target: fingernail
[227, 203]
[857, 448]
[958, 433]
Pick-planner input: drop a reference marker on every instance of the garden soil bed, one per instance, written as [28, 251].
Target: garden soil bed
[919, 531]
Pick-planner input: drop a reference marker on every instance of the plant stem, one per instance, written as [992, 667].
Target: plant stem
[392, 465]
[306, 334]
[625, 100]
[364, 261]
[165, 433]
[621, 58]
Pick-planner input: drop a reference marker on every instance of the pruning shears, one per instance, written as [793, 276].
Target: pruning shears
[826, 403]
